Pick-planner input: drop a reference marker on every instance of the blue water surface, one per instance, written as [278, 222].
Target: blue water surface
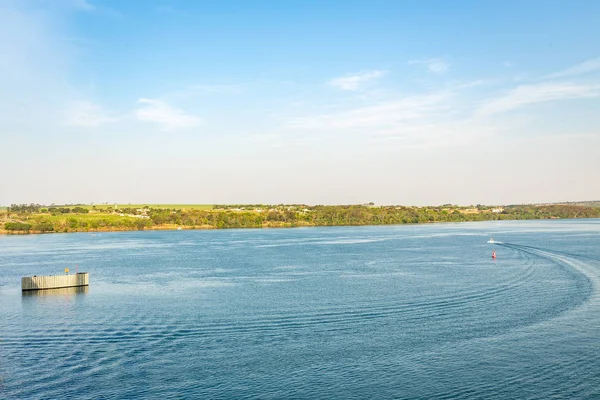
[410, 311]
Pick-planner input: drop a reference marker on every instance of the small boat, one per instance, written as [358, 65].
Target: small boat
[491, 241]
[494, 255]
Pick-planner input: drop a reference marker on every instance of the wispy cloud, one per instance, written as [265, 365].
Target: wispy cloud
[204, 90]
[537, 93]
[579, 69]
[87, 7]
[427, 135]
[83, 5]
[355, 81]
[170, 118]
[216, 88]
[380, 116]
[87, 114]
[434, 65]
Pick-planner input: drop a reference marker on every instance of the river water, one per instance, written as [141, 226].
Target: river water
[410, 311]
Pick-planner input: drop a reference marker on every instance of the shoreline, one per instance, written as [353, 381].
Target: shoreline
[265, 226]
[168, 227]
[32, 219]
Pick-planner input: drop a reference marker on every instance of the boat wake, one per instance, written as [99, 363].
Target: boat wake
[571, 261]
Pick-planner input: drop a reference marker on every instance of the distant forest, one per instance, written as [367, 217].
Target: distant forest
[35, 218]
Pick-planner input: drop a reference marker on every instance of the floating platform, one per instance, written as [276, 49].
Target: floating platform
[54, 281]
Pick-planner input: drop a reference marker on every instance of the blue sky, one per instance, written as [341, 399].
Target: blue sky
[319, 102]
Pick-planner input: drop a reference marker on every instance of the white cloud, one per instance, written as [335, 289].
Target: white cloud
[83, 5]
[161, 113]
[88, 7]
[538, 93]
[205, 90]
[579, 69]
[210, 89]
[88, 114]
[354, 82]
[434, 65]
[431, 135]
[380, 116]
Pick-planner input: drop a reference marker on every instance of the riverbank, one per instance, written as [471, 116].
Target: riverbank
[165, 227]
[35, 219]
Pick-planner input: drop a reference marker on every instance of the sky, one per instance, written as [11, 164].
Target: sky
[315, 102]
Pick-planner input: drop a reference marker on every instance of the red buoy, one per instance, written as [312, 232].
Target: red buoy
[494, 254]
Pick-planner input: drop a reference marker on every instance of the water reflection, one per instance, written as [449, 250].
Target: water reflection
[57, 292]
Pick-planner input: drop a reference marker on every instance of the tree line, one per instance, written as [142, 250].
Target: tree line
[37, 208]
[79, 218]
